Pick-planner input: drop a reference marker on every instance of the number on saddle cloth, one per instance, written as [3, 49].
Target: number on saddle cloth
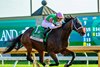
[38, 32]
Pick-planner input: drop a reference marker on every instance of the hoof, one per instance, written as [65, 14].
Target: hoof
[46, 66]
[53, 64]
[66, 65]
[37, 65]
[29, 59]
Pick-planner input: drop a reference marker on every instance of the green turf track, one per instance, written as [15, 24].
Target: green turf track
[61, 65]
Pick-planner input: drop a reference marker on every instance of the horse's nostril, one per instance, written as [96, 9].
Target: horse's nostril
[83, 33]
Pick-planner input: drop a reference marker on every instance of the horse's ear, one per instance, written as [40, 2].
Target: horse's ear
[68, 16]
[75, 17]
[65, 18]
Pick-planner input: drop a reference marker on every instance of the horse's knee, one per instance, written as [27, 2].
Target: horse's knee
[64, 53]
[73, 54]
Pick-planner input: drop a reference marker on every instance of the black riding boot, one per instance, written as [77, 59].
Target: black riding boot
[45, 32]
[44, 41]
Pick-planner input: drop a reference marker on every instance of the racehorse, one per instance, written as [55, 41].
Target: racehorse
[57, 42]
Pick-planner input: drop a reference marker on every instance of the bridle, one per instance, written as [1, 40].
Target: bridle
[74, 26]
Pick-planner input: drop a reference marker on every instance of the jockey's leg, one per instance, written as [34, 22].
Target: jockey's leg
[45, 32]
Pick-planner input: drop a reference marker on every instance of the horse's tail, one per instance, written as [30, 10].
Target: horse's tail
[13, 44]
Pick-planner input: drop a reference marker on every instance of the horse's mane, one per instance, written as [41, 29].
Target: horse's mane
[66, 20]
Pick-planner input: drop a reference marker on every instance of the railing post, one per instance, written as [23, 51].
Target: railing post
[35, 64]
[98, 58]
[34, 60]
[15, 63]
[2, 60]
[87, 63]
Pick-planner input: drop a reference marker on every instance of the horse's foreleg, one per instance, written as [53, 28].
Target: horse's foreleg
[54, 57]
[66, 52]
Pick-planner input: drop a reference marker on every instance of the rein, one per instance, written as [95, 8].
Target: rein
[75, 26]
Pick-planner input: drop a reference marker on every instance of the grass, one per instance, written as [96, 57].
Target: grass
[25, 64]
[61, 65]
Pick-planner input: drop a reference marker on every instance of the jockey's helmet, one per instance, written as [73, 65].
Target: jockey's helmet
[59, 15]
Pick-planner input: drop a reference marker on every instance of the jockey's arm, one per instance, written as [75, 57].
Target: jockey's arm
[52, 26]
[58, 23]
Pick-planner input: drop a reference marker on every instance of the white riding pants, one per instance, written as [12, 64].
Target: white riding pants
[47, 24]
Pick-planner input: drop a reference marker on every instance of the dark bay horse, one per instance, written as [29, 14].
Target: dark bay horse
[57, 42]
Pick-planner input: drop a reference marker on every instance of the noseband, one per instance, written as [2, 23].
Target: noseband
[74, 26]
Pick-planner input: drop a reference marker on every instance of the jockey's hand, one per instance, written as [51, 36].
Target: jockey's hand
[58, 23]
[51, 20]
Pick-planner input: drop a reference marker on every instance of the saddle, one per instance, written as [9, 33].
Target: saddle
[40, 33]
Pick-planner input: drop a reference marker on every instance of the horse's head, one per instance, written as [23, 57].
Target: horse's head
[74, 24]
[77, 26]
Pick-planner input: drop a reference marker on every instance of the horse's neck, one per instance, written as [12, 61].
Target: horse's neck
[66, 30]
[65, 34]
[62, 34]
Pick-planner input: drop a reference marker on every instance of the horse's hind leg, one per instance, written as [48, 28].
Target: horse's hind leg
[29, 50]
[29, 55]
[66, 52]
[41, 58]
[54, 57]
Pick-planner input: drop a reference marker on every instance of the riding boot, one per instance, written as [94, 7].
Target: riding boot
[44, 41]
[45, 32]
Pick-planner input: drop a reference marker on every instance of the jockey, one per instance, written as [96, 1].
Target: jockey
[52, 21]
